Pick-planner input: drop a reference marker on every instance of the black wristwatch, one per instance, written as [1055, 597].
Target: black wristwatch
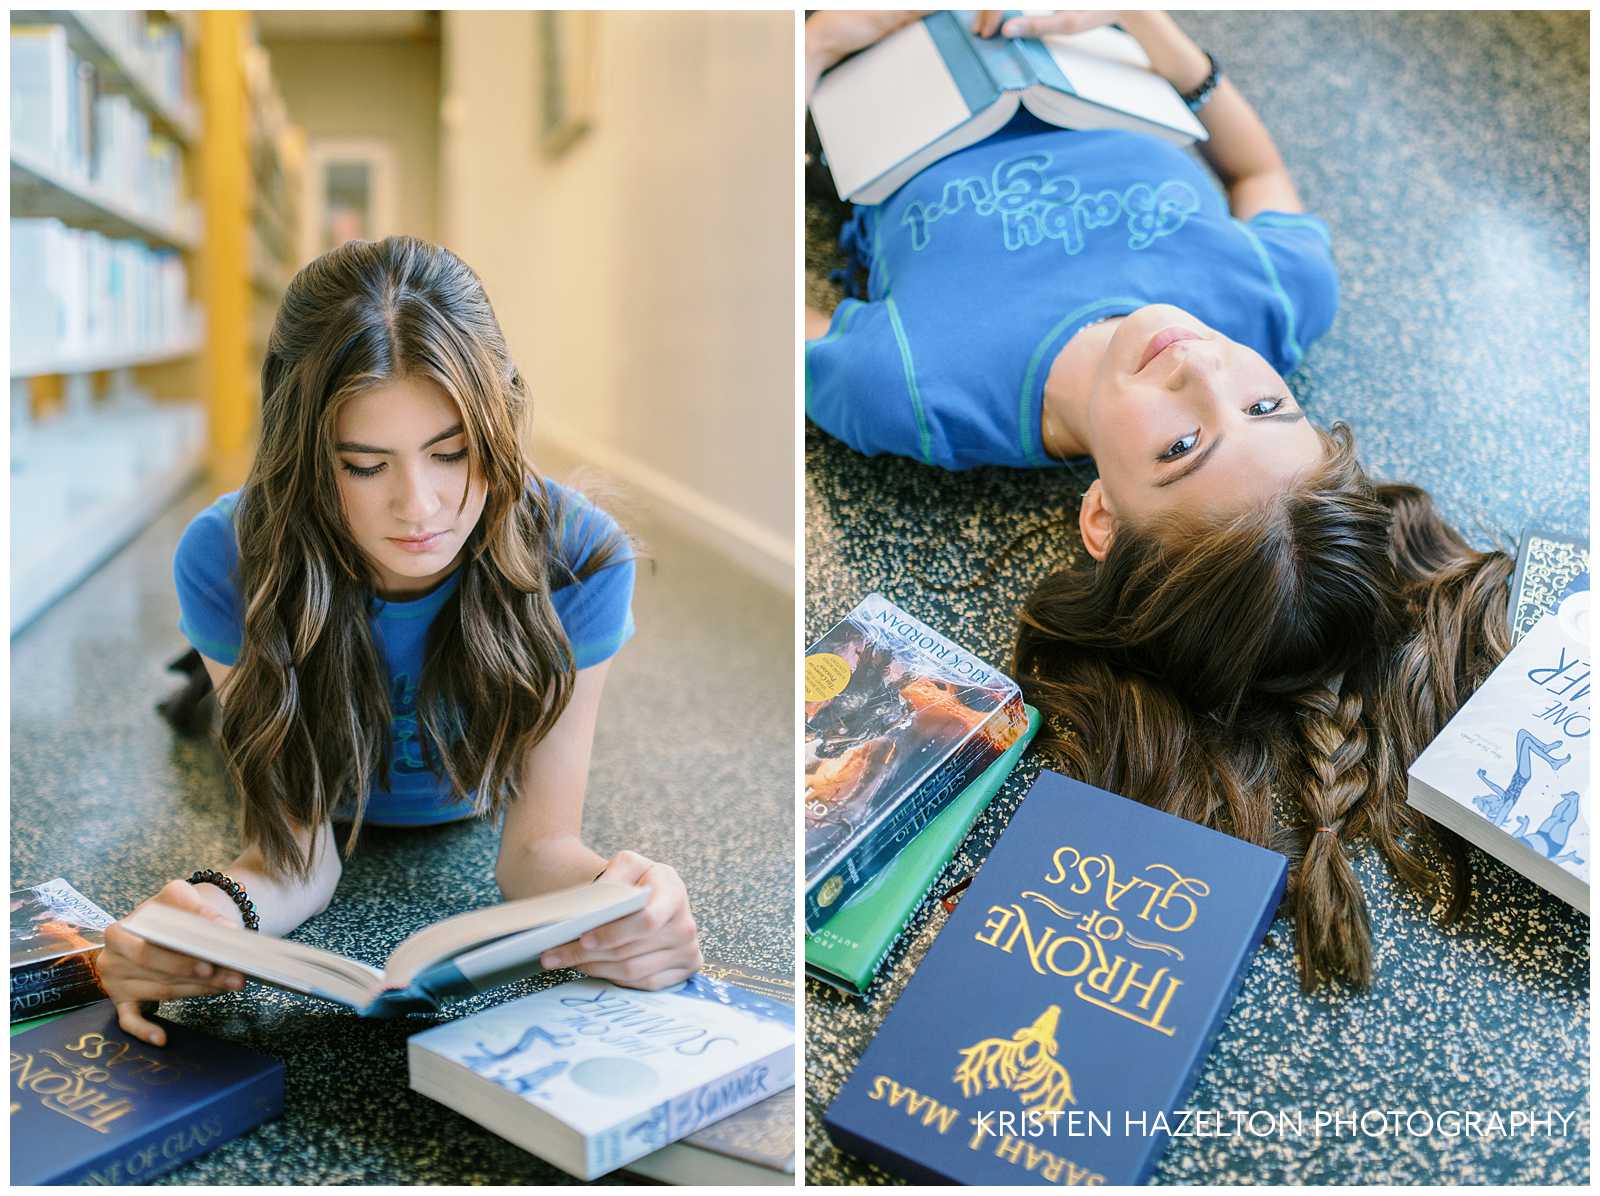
[1197, 98]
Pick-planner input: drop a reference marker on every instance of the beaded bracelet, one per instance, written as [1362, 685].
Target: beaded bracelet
[1197, 98]
[247, 909]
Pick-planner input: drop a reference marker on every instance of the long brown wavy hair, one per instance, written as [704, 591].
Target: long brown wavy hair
[306, 710]
[1306, 650]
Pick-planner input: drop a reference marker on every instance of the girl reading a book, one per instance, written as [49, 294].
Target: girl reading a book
[406, 624]
[1049, 295]
[1262, 637]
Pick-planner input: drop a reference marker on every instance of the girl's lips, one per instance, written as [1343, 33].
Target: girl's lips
[423, 545]
[1163, 340]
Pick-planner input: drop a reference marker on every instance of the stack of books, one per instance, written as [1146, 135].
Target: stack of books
[1510, 772]
[593, 1077]
[900, 722]
[754, 1146]
[848, 950]
[909, 736]
[55, 934]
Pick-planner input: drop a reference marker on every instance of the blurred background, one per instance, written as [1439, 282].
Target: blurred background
[624, 184]
[619, 181]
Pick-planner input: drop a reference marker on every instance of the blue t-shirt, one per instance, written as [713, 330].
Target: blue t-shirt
[596, 614]
[984, 265]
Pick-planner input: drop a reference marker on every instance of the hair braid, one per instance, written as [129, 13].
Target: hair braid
[1333, 929]
[1263, 669]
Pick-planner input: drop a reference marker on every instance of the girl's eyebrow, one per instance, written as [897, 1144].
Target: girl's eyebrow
[350, 446]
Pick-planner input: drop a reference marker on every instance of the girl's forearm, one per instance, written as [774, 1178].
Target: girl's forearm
[282, 903]
[816, 64]
[1172, 52]
[822, 49]
[1238, 148]
[545, 865]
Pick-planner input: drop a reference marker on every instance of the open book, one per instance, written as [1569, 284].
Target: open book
[935, 87]
[466, 954]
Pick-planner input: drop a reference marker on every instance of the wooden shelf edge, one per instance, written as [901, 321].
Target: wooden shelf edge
[37, 172]
[93, 363]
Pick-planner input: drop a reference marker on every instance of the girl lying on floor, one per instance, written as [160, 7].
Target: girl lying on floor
[405, 623]
[1256, 616]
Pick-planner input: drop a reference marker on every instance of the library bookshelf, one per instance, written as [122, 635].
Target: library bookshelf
[155, 179]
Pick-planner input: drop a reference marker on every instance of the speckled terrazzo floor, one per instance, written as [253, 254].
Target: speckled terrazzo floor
[1449, 154]
[693, 764]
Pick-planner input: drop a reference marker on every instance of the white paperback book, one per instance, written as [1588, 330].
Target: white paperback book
[590, 1076]
[1510, 772]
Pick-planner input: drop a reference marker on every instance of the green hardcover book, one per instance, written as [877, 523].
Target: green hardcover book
[19, 1027]
[848, 949]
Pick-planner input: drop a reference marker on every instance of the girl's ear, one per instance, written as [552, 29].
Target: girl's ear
[1097, 522]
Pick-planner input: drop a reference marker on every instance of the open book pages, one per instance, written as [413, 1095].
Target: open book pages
[934, 87]
[467, 953]
[1109, 71]
[887, 105]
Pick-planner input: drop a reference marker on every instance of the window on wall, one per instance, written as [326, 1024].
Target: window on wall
[350, 193]
[347, 203]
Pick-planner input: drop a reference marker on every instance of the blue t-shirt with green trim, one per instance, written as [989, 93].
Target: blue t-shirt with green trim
[984, 265]
[596, 614]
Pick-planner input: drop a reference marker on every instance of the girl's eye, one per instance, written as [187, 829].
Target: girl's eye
[357, 471]
[451, 458]
[1180, 446]
[1263, 406]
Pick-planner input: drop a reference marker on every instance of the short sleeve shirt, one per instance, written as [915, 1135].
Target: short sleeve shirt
[596, 614]
[984, 265]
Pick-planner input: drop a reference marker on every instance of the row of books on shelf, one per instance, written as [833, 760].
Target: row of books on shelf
[76, 291]
[908, 738]
[153, 45]
[61, 114]
[691, 1084]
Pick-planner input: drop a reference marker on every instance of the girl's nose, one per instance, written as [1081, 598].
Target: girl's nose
[1200, 369]
[416, 500]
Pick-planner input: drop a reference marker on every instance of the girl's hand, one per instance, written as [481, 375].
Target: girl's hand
[841, 33]
[135, 973]
[832, 35]
[988, 23]
[650, 948]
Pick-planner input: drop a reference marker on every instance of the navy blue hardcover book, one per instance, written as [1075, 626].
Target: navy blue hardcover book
[90, 1104]
[1058, 1023]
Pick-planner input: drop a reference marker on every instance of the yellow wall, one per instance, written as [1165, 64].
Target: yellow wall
[646, 279]
[387, 90]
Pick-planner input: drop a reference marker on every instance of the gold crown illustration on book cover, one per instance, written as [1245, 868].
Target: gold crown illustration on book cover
[1025, 1063]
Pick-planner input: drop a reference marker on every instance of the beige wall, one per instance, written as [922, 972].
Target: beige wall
[646, 279]
[383, 90]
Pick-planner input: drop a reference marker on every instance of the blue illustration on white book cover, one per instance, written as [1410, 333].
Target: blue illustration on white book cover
[627, 1070]
[1517, 753]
